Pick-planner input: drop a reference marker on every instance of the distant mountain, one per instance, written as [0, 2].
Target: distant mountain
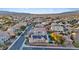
[58, 14]
[12, 13]
[71, 12]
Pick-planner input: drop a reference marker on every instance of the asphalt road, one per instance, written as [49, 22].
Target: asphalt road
[16, 45]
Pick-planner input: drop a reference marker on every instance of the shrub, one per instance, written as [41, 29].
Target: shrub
[76, 44]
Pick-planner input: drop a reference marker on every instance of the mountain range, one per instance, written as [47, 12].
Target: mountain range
[12, 13]
[16, 13]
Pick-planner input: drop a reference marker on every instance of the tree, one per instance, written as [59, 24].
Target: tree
[0, 26]
[23, 27]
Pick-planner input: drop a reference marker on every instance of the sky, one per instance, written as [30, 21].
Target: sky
[39, 10]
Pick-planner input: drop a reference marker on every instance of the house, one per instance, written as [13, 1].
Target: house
[78, 22]
[57, 27]
[4, 36]
[38, 20]
[38, 37]
[39, 26]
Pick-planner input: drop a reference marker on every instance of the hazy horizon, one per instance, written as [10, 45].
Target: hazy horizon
[39, 10]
